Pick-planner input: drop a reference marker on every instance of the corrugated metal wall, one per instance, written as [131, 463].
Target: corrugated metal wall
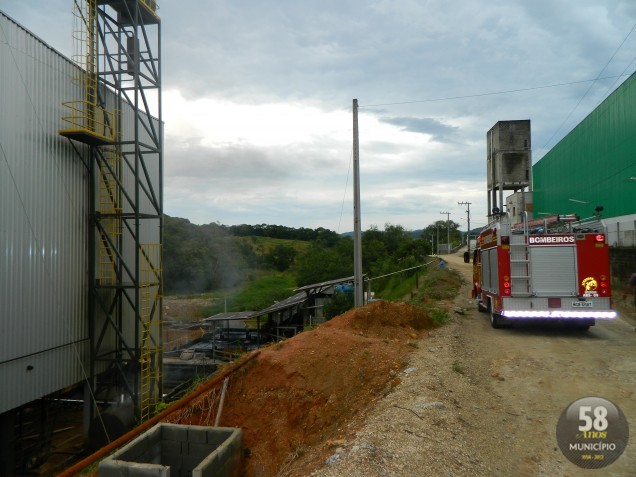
[43, 224]
[593, 164]
[44, 220]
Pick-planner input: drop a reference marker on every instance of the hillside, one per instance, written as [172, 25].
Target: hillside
[212, 268]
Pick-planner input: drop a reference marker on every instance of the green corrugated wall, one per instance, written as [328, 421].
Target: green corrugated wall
[593, 163]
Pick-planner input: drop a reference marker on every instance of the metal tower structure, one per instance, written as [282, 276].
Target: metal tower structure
[116, 129]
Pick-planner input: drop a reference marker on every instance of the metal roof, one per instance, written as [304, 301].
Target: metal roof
[319, 287]
[303, 294]
[237, 316]
[293, 300]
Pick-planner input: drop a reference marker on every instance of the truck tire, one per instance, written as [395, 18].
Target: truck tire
[480, 303]
[582, 326]
[496, 321]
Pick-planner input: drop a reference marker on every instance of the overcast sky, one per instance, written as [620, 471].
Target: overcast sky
[257, 99]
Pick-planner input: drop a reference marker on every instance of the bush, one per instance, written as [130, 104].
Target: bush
[337, 304]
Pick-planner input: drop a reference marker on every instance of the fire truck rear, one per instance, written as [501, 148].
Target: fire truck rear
[550, 269]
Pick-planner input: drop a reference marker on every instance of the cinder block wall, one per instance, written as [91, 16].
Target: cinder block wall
[171, 450]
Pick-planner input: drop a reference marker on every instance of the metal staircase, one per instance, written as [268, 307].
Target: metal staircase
[520, 266]
[123, 152]
[88, 121]
[150, 344]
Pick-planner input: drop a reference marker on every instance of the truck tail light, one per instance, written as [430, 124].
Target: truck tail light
[506, 286]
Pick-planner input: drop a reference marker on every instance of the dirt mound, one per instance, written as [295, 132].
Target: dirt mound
[384, 319]
[297, 393]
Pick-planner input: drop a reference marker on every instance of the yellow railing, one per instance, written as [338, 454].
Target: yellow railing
[87, 120]
[150, 5]
[110, 208]
[90, 118]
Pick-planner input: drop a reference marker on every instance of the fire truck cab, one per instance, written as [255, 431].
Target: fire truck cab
[554, 269]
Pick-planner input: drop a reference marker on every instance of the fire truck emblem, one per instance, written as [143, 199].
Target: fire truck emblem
[590, 284]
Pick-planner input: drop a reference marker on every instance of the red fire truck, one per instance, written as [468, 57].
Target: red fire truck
[553, 269]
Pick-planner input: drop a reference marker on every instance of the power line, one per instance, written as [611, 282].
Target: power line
[493, 93]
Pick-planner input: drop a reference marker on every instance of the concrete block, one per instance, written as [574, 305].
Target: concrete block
[173, 461]
[110, 468]
[152, 456]
[204, 451]
[197, 434]
[147, 470]
[190, 462]
[208, 467]
[200, 450]
[173, 447]
[217, 435]
[174, 432]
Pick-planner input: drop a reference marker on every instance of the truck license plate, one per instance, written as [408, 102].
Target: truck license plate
[582, 304]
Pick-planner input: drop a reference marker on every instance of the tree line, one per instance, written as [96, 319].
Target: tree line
[201, 258]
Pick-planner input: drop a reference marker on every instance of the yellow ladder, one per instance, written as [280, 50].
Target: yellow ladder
[150, 349]
[110, 208]
[87, 121]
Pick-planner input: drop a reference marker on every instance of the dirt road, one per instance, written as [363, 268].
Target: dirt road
[484, 402]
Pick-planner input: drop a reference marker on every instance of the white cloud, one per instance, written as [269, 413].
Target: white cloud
[257, 99]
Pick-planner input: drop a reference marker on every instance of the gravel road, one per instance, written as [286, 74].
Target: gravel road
[483, 402]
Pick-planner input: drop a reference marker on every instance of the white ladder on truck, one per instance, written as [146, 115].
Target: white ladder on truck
[520, 265]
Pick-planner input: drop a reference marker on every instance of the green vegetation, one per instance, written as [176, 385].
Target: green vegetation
[396, 287]
[438, 316]
[457, 368]
[255, 294]
[440, 284]
[338, 304]
[250, 267]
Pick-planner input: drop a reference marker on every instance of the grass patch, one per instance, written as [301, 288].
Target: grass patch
[437, 285]
[397, 287]
[440, 317]
[457, 368]
[256, 294]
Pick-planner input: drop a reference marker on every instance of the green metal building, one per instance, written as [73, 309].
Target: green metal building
[595, 165]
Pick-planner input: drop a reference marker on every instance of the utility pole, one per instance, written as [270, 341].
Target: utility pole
[447, 231]
[437, 229]
[358, 292]
[467, 204]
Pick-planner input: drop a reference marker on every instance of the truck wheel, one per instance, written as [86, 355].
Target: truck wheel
[480, 304]
[584, 326]
[495, 319]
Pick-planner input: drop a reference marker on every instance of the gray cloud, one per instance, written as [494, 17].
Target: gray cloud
[438, 130]
[434, 68]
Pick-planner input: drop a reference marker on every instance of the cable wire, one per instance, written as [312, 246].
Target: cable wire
[493, 93]
[590, 87]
